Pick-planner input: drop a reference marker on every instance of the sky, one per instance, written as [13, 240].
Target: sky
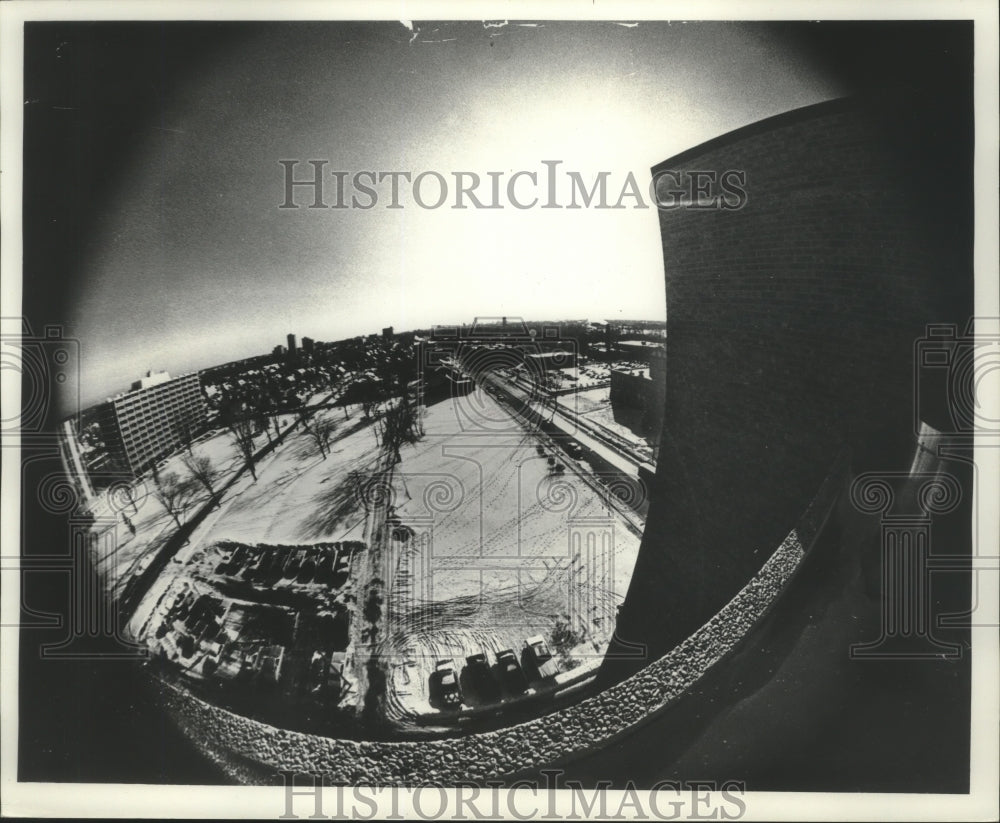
[191, 261]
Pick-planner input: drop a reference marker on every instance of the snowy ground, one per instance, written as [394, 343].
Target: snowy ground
[488, 542]
[495, 547]
[300, 496]
[585, 401]
[119, 554]
[594, 406]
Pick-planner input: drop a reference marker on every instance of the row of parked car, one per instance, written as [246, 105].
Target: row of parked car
[490, 683]
[571, 447]
[326, 565]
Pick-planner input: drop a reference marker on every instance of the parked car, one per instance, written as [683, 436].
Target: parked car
[511, 674]
[450, 690]
[481, 678]
[478, 666]
[538, 649]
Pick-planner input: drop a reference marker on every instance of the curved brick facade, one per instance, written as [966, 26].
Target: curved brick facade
[791, 326]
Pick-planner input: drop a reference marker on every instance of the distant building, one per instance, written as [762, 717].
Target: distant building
[387, 333]
[278, 351]
[150, 422]
[549, 360]
[459, 380]
[642, 391]
[599, 351]
[308, 345]
[640, 349]
[291, 345]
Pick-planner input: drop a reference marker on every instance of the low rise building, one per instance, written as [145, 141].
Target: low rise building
[639, 349]
[642, 390]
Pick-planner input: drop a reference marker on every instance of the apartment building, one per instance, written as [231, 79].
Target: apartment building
[152, 420]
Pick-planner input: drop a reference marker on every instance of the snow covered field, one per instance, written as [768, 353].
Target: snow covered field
[301, 497]
[495, 545]
[493, 534]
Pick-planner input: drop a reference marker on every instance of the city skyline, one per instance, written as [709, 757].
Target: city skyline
[126, 382]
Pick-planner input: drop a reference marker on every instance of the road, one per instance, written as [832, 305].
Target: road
[616, 454]
[628, 466]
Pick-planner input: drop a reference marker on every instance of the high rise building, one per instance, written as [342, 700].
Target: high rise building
[152, 420]
[308, 345]
[291, 345]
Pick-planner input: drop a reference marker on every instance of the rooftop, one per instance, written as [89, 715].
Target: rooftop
[648, 344]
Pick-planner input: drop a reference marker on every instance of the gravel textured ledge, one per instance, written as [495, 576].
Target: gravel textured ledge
[245, 748]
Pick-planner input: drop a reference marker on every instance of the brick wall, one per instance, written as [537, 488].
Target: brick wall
[791, 324]
[641, 392]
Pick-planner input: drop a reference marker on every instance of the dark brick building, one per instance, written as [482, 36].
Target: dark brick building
[792, 323]
[642, 390]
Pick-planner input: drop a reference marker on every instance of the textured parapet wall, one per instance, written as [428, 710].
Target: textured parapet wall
[791, 326]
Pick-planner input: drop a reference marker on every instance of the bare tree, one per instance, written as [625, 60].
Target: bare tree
[402, 425]
[337, 383]
[242, 430]
[263, 421]
[371, 392]
[187, 428]
[203, 471]
[174, 495]
[321, 429]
